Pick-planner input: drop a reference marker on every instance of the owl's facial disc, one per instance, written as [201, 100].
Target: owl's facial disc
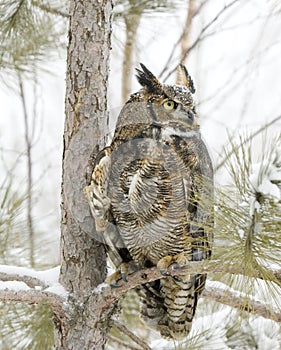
[180, 113]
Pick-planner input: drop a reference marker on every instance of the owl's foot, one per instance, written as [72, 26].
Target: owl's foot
[121, 274]
[174, 262]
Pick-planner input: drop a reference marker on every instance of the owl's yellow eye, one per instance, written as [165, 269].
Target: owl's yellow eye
[169, 105]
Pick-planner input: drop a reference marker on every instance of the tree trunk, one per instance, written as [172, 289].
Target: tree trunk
[83, 264]
[132, 22]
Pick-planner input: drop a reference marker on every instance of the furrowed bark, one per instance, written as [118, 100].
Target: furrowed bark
[83, 258]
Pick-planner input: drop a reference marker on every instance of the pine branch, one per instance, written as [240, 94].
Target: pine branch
[106, 297]
[130, 334]
[110, 296]
[49, 9]
[152, 274]
[33, 297]
[24, 285]
[31, 282]
[122, 343]
[252, 136]
[241, 302]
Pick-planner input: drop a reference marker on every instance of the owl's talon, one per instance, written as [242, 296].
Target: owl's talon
[170, 263]
[124, 277]
[164, 273]
[177, 279]
[175, 266]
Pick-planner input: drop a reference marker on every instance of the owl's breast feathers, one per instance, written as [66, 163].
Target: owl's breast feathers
[157, 182]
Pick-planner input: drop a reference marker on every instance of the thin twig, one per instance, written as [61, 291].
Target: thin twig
[241, 302]
[184, 42]
[28, 145]
[122, 343]
[130, 334]
[261, 129]
[195, 43]
[49, 9]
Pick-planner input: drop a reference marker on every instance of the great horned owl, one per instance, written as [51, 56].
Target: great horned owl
[151, 197]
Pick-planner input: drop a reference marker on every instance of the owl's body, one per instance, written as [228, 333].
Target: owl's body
[153, 184]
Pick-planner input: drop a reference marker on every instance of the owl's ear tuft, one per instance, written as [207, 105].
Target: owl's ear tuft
[148, 80]
[185, 79]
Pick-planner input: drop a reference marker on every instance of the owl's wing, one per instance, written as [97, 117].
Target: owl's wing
[100, 206]
[96, 192]
[201, 202]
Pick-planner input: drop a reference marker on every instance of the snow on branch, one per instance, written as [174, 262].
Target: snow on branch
[31, 296]
[237, 300]
[20, 284]
[266, 176]
[27, 285]
[30, 276]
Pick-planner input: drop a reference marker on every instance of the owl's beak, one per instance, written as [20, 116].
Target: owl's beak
[195, 123]
[188, 118]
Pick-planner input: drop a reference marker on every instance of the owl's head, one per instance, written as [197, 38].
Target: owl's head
[168, 103]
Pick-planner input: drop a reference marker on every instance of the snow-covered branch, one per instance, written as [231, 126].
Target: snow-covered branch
[21, 274]
[242, 302]
[20, 284]
[27, 285]
[31, 296]
[29, 276]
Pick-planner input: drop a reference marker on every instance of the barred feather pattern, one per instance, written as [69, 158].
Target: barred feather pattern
[156, 190]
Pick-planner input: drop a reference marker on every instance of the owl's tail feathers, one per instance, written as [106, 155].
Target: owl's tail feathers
[180, 299]
[169, 305]
[152, 307]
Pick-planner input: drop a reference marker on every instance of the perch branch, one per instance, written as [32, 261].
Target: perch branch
[152, 274]
[111, 295]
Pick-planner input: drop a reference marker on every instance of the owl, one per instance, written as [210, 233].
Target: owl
[151, 198]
